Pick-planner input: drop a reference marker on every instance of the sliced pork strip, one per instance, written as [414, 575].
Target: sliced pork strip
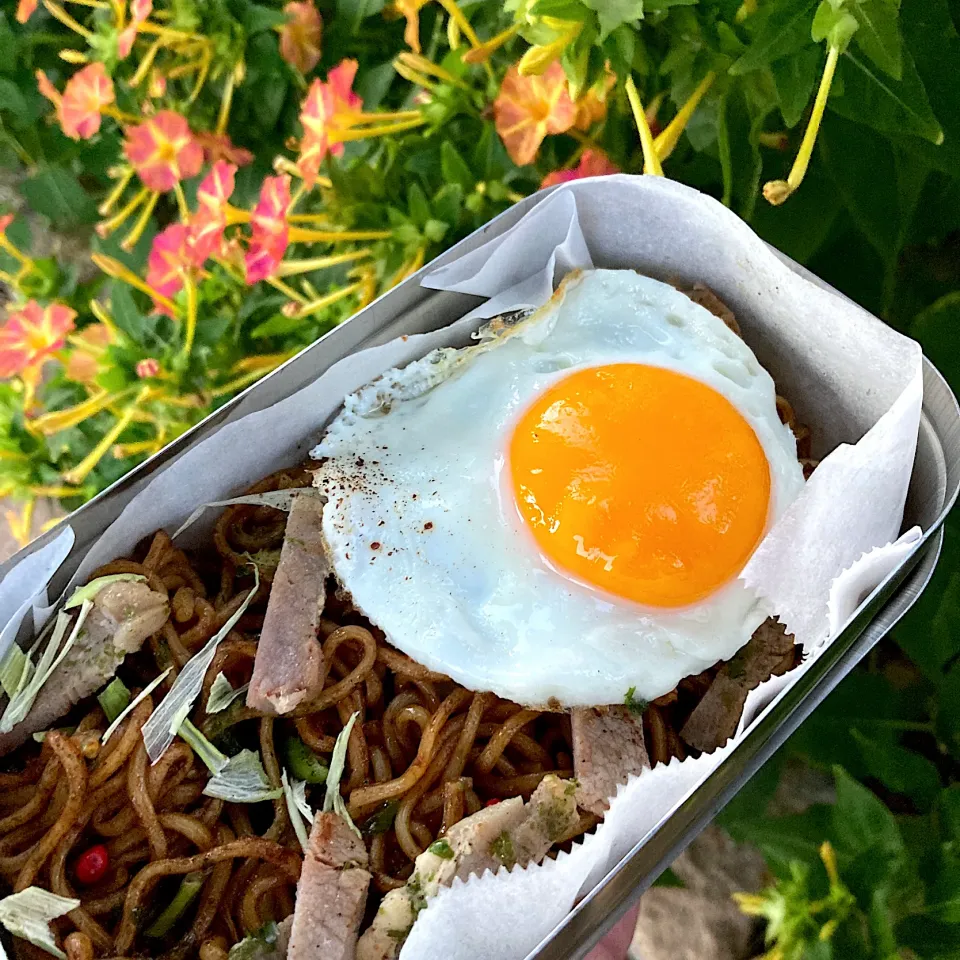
[506, 834]
[769, 652]
[608, 746]
[289, 660]
[331, 894]
[124, 614]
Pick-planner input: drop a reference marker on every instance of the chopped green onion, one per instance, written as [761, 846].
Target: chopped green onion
[222, 694]
[28, 914]
[190, 886]
[303, 763]
[332, 800]
[441, 849]
[114, 698]
[242, 780]
[383, 819]
[21, 702]
[214, 760]
[12, 666]
[90, 590]
[261, 945]
[162, 727]
[134, 703]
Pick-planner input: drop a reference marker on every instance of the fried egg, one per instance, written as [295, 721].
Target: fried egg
[559, 513]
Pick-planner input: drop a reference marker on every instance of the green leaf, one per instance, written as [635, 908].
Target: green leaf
[930, 939]
[861, 822]
[417, 205]
[879, 33]
[785, 30]
[795, 78]
[740, 161]
[873, 201]
[938, 330]
[668, 879]
[257, 18]
[784, 840]
[355, 11]
[614, 13]
[127, 315]
[56, 193]
[897, 768]
[943, 894]
[11, 99]
[276, 326]
[890, 106]
[455, 168]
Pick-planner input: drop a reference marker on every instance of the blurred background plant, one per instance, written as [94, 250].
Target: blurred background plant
[247, 175]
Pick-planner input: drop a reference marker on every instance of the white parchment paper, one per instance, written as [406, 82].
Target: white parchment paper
[856, 381]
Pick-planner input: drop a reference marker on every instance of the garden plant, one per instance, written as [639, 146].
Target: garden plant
[245, 176]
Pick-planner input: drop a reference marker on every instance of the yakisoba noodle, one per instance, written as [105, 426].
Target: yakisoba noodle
[424, 754]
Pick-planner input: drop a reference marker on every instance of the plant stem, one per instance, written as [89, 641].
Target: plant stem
[651, 162]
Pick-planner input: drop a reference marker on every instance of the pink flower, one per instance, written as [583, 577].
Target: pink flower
[139, 11]
[31, 335]
[5, 222]
[87, 92]
[593, 163]
[210, 219]
[329, 109]
[270, 233]
[148, 367]
[25, 10]
[300, 36]
[169, 261]
[83, 364]
[47, 89]
[163, 151]
[219, 146]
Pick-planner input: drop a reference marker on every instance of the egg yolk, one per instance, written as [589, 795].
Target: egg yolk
[640, 481]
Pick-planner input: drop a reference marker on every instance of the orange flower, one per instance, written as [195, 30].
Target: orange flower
[327, 112]
[25, 10]
[163, 151]
[169, 262]
[219, 146]
[83, 365]
[410, 11]
[5, 222]
[210, 220]
[31, 335]
[139, 11]
[593, 163]
[87, 92]
[300, 36]
[528, 108]
[592, 106]
[47, 89]
[270, 233]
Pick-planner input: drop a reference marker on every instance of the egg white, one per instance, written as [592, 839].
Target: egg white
[424, 534]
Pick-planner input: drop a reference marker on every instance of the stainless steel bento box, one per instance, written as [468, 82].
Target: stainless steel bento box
[410, 309]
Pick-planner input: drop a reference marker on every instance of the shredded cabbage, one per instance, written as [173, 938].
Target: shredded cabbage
[296, 811]
[278, 499]
[28, 914]
[134, 703]
[214, 760]
[332, 800]
[222, 694]
[242, 780]
[15, 661]
[89, 590]
[21, 702]
[162, 727]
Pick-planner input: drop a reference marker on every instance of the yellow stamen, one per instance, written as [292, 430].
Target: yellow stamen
[73, 56]
[383, 130]
[190, 285]
[486, 49]
[422, 65]
[308, 218]
[286, 290]
[58, 420]
[668, 139]
[20, 525]
[184, 69]
[408, 268]
[131, 239]
[651, 162]
[462, 22]
[123, 450]
[290, 268]
[225, 102]
[7, 245]
[119, 115]
[362, 118]
[60, 14]
[322, 303]
[777, 191]
[413, 77]
[53, 491]
[262, 361]
[108, 226]
[145, 64]
[453, 34]
[160, 31]
[238, 383]
[751, 904]
[201, 77]
[114, 268]
[829, 858]
[51, 523]
[116, 192]
[97, 4]
[98, 310]
[301, 235]
[79, 473]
